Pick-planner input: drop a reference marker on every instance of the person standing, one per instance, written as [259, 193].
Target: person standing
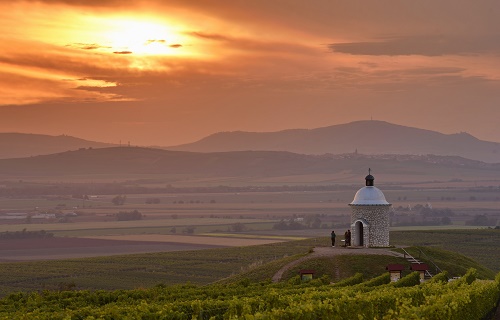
[348, 240]
[333, 235]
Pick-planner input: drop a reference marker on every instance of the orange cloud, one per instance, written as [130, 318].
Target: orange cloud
[189, 68]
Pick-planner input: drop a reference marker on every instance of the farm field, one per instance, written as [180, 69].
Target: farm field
[261, 205]
[71, 248]
[466, 298]
[197, 220]
[203, 264]
[139, 226]
[203, 238]
[248, 294]
[219, 240]
[144, 270]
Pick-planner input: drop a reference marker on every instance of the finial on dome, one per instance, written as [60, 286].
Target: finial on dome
[369, 178]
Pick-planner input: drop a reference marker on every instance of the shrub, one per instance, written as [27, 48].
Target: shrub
[128, 215]
[413, 279]
[356, 279]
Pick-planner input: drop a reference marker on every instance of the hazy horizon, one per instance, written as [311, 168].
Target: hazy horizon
[164, 74]
[125, 142]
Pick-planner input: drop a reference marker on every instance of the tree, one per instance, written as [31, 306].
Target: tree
[128, 215]
[238, 227]
[445, 221]
[316, 223]
[119, 200]
[479, 220]
[189, 230]
[153, 200]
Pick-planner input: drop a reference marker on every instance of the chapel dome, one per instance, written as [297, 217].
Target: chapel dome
[369, 196]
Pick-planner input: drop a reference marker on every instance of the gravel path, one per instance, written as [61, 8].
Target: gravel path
[332, 252]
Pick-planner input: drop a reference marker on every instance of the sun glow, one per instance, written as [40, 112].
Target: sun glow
[140, 37]
[131, 36]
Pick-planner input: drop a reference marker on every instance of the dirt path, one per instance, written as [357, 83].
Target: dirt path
[332, 252]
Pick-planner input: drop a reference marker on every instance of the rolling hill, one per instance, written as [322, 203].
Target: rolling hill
[367, 137]
[135, 160]
[19, 145]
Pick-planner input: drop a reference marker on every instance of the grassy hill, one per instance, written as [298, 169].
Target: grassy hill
[258, 263]
[481, 245]
[133, 160]
[466, 298]
[375, 298]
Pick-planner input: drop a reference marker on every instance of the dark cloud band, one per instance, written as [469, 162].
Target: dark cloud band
[422, 45]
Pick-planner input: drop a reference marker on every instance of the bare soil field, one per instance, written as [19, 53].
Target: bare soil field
[65, 248]
[192, 240]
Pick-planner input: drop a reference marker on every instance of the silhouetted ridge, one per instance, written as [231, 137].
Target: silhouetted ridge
[18, 145]
[136, 160]
[368, 137]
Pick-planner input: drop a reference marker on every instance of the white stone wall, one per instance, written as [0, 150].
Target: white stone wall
[377, 218]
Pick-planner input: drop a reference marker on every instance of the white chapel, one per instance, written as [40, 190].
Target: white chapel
[370, 216]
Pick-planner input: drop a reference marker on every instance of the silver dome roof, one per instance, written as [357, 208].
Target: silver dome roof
[369, 196]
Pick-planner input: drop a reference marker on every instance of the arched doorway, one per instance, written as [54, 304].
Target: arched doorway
[358, 231]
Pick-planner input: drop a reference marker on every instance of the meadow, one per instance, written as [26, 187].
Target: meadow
[257, 262]
[213, 235]
[368, 298]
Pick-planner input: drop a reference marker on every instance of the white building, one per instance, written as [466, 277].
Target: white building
[370, 216]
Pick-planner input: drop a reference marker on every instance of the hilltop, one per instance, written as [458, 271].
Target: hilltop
[367, 137]
[20, 145]
[136, 160]
[258, 263]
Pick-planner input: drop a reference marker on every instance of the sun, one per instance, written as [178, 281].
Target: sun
[140, 37]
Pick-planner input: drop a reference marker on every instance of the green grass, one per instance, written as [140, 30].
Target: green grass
[258, 263]
[261, 272]
[437, 228]
[166, 229]
[481, 245]
[251, 236]
[345, 266]
[82, 228]
[143, 270]
[454, 263]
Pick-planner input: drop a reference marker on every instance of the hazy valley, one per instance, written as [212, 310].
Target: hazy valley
[131, 211]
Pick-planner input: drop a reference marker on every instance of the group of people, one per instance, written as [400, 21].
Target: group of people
[347, 238]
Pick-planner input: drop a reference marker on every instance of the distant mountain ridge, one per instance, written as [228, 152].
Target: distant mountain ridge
[367, 137]
[20, 145]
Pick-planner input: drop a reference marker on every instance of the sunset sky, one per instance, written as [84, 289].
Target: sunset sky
[172, 72]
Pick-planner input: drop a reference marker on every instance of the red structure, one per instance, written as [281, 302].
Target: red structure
[306, 274]
[420, 267]
[395, 271]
